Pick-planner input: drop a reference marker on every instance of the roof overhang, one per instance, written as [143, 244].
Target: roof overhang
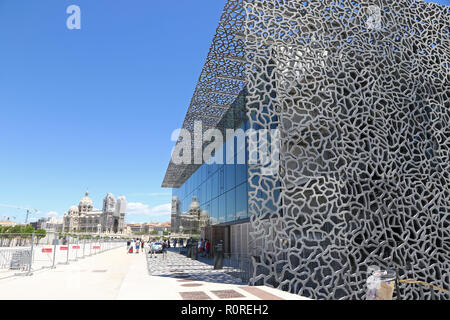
[220, 83]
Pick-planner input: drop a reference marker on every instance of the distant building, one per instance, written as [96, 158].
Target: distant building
[158, 227]
[48, 224]
[8, 223]
[147, 228]
[84, 218]
[134, 228]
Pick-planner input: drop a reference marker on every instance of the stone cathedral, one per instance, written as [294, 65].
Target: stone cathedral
[84, 218]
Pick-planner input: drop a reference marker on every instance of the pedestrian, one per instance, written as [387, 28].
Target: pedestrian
[137, 246]
[142, 245]
[181, 242]
[175, 242]
[204, 247]
[200, 246]
[207, 247]
[164, 250]
[152, 249]
[128, 246]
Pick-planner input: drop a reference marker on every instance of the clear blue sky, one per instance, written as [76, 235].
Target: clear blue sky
[94, 108]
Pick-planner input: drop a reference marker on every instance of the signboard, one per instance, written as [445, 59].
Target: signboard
[47, 250]
[64, 248]
[96, 247]
[76, 247]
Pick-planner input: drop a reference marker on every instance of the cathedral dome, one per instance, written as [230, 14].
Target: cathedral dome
[195, 206]
[73, 210]
[85, 203]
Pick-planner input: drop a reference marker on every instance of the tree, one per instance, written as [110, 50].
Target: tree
[40, 233]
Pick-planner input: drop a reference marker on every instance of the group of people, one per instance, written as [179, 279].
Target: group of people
[135, 244]
[176, 241]
[165, 244]
[204, 247]
[139, 245]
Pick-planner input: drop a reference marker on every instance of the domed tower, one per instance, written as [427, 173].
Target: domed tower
[119, 214]
[109, 203]
[175, 215]
[85, 204]
[204, 219]
[194, 208]
[73, 211]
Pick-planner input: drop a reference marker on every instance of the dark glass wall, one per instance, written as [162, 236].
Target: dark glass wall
[221, 189]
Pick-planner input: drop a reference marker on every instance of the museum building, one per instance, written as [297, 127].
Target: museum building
[358, 93]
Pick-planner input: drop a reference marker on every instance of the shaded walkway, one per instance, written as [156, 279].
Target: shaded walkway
[179, 266]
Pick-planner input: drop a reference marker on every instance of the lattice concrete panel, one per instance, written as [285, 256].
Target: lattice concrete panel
[360, 92]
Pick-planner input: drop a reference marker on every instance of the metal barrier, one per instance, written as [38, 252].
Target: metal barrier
[238, 265]
[21, 254]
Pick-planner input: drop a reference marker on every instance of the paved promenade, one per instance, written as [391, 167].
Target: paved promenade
[118, 275]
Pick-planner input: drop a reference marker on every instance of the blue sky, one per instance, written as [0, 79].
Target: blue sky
[94, 108]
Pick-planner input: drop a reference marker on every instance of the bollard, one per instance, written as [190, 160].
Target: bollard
[68, 247]
[194, 250]
[218, 255]
[54, 252]
[76, 250]
[188, 249]
[84, 247]
[31, 255]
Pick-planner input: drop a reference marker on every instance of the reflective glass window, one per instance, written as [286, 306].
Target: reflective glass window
[222, 209]
[221, 179]
[208, 189]
[207, 208]
[215, 185]
[241, 173]
[241, 202]
[215, 211]
[203, 173]
[199, 194]
[230, 197]
[230, 176]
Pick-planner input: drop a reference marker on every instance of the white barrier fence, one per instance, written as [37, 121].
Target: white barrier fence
[28, 255]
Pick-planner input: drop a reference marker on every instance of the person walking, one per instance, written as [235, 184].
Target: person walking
[152, 249]
[128, 246]
[164, 250]
[203, 247]
[175, 242]
[207, 247]
[137, 246]
[200, 246]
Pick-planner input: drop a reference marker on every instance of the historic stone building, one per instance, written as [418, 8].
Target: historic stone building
[191, 222]
[84, 218]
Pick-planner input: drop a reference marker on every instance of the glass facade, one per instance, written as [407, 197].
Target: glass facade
[221, 189]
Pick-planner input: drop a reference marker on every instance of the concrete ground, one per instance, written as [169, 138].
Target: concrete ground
[116, 274]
